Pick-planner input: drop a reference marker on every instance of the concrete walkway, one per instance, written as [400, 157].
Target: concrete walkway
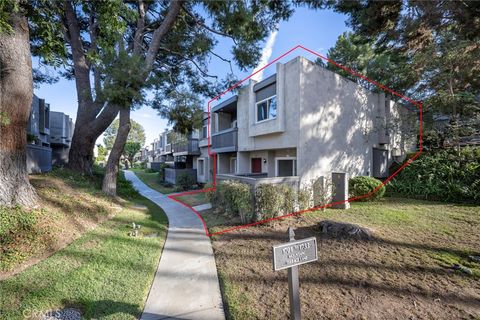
[186, 282]
[202, 207]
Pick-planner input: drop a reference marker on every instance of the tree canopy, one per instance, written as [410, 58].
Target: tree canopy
[136, 134]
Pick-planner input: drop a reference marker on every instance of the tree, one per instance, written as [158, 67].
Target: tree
[440, 39]
[386, 67]
[102, 153]
[136, 134]
[129, 47]
[182, 109]
[16, 92]
[130, 150]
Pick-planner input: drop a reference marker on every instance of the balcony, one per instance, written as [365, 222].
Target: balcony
[225, 140]
[186, 147]
[167, 149]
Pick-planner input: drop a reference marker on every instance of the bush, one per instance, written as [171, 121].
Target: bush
[185, 181]
[125, 188]
[268, 201]
[322, 189]
[304, 197]
[161, 173]
[362, 185]
[289, 201]
[211, 193]
[234, 198]
[443, 175]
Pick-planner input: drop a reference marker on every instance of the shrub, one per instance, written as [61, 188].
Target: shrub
[362, 185]
[289, 201]
[444, 175]
[211, 193]
[322, 189]
[304, 197]
[238, 199]
[234, 198]
[161, 173]
[125, 188]
[185, 181]
[268, 201]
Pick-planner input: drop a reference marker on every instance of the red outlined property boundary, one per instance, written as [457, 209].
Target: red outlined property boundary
[214, 155]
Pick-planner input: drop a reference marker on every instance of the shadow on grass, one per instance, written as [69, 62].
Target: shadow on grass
[103, 308]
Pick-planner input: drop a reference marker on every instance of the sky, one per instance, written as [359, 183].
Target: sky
[316, 30]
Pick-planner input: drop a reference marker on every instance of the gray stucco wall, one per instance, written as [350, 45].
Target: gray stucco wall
[39, 159]
[337, 124]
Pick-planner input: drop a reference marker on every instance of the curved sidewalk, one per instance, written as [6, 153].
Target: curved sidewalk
[186, 282]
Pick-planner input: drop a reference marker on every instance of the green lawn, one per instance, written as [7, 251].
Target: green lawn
[105, 273]
[151, 179]
[194, 199]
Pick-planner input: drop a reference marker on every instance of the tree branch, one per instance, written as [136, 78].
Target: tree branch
[138, 37]
[80, 64]
[191, 60]
[161, 31]
[202, 24]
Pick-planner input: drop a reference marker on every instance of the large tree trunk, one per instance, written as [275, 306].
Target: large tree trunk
[85, 135]
[111, 170]
[15, 102]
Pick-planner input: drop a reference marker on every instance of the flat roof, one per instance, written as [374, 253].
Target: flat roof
[225, 103]
[265, 82]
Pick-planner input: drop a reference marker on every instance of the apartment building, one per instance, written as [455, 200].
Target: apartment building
[39, 153]
[304, 122]
[179, 151]
[61, 133]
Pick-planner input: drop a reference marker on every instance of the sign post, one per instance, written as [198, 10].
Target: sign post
[289, 256]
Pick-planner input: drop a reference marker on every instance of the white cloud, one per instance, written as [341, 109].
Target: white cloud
[266, 54]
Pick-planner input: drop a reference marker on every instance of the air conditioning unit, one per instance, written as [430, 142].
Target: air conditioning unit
[234, 124]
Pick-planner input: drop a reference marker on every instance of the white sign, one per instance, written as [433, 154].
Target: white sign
[294, 253]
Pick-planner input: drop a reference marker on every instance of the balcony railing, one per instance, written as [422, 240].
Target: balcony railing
[225, 140]
[186, 147]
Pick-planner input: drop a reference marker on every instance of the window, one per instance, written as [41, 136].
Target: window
[201, 168]
[267, 109]
[204, 132]
[286, 167]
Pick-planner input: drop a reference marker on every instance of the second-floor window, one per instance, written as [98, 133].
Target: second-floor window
[267, 109]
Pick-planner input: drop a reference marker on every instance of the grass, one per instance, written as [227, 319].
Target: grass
[151, 179]
[405, 271]
[194, 199]
[105, 273]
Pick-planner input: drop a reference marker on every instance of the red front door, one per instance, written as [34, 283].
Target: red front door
[256, 165]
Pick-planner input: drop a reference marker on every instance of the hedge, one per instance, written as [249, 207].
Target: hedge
[362, 185]
[443, 175]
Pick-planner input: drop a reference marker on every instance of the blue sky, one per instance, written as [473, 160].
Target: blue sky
[317, 30]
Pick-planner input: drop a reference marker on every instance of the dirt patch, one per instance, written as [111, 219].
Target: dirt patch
[402, 272]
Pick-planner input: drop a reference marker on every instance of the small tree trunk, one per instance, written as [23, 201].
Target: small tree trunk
[111, 170]
[15, 103]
